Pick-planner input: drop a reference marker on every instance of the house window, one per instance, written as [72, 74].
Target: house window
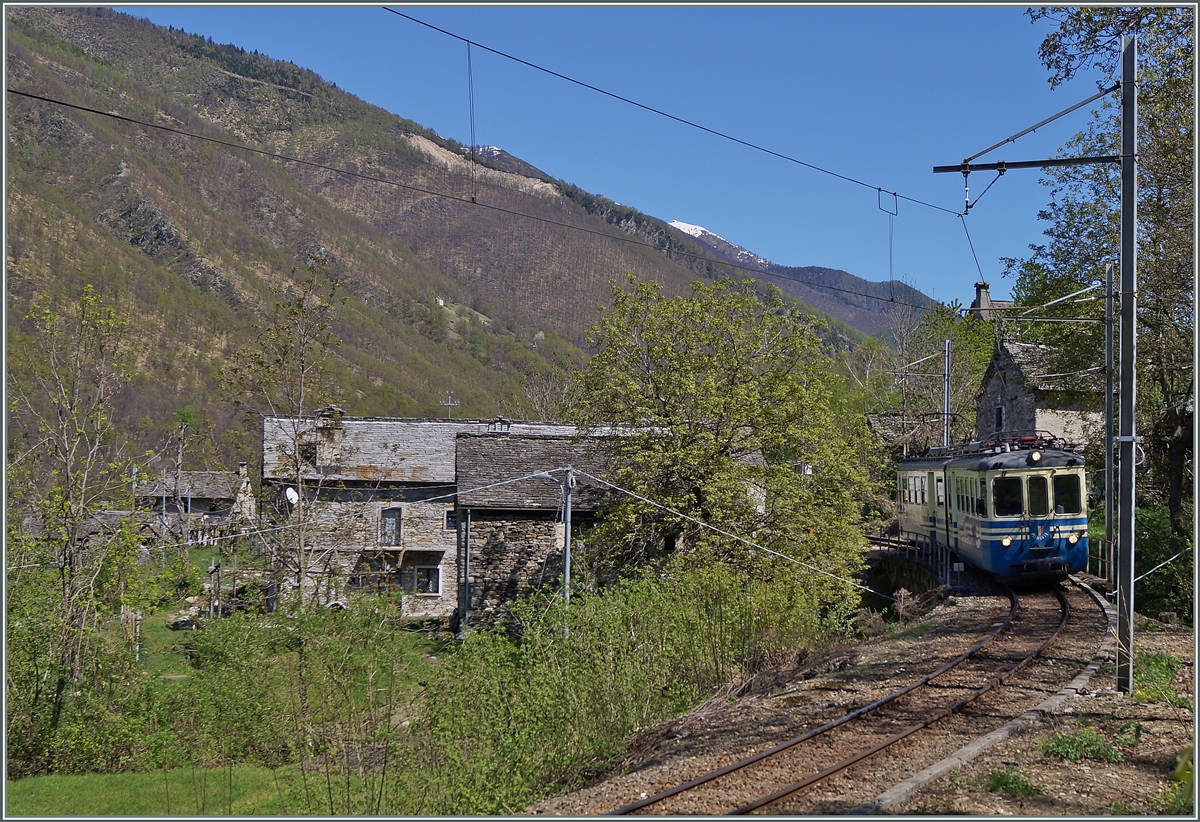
[389, 526]
[426, 580]
[451, 522]
[999, 417]
[421, 579]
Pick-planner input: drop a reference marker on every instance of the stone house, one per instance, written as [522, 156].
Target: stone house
[374, 501]
[198, 505]
[511, 521]
[218, 493]
[1018, 395]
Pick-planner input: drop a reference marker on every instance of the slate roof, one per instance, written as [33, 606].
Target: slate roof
[1031, 359]
[383, 449]
[484, 460]
[222, 485]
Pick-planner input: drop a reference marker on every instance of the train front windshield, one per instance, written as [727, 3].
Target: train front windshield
[1009, 501]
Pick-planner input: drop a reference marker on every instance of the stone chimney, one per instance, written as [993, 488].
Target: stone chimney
[983, 301]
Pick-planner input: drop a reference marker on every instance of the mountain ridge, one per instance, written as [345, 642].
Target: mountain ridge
[188, 237]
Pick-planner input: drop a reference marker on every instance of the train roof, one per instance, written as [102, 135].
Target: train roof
[1000, 453]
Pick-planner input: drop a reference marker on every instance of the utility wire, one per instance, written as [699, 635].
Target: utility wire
[963, 218]
[465, 201]
[661, 113]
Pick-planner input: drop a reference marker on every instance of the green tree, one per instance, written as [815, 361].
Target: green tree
[972, 342]
[724, 403]
[280, 379]
[1083, 225]
[68, 568]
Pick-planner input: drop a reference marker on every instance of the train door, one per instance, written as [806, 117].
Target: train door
[937, 499]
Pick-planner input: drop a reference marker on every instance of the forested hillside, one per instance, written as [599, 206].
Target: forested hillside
[459, 277]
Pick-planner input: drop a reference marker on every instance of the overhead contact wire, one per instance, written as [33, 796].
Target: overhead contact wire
[463, 200]
[669, 116]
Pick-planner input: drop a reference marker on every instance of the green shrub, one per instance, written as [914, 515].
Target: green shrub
[1011, 782]
[513, 718]
[1180, 798]
[1152, 677]
[1085, 743]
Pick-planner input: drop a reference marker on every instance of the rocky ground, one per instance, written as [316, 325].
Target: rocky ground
[1146, 732]
[1018, 776]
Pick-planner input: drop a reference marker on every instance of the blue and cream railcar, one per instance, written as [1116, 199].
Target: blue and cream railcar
[1015, 508]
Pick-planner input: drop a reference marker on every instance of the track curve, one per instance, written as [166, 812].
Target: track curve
[765, 780]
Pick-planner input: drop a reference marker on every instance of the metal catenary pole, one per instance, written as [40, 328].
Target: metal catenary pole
[568, 484]
[1127, 439]
[1110, 371]
[946, 398]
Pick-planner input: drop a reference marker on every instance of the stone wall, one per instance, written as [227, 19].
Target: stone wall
[511, 551]
[347, 549]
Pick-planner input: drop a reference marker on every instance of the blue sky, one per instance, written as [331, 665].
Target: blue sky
[879, 94]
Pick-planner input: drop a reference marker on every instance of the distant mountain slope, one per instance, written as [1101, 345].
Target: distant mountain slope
[839, 294]
[476, 278]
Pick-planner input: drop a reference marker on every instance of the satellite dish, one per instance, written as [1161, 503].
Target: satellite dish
[291, 495]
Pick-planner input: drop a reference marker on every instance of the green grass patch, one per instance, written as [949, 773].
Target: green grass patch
[1012, 782]
[1130, 735]
[1152, 677]
[1086, 743]
[244, 790]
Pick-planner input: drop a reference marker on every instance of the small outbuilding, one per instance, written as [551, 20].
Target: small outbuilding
[1019, 394]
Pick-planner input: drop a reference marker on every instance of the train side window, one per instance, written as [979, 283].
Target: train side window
[1039, 497]
[941, 491]
[1006, 496]
[1067, 494]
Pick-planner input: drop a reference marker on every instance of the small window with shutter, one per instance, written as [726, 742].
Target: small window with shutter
[389, 526]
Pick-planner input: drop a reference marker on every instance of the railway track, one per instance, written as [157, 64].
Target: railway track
[829, 769]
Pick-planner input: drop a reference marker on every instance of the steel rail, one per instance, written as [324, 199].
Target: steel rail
[782, 746]
[899, 735]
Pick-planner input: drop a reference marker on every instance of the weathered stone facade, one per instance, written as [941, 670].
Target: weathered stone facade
[1014, 397]
[385, 502]
[510, 552]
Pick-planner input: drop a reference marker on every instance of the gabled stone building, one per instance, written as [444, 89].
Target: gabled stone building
[381, 505]
[516, 533]
[217, 493]
[1018, 394]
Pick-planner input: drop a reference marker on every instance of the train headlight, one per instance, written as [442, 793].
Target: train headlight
[1036, 456]
[1074, 538]
[1006, 542]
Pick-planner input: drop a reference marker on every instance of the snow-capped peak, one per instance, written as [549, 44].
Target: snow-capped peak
[731, 251]
[694, 230]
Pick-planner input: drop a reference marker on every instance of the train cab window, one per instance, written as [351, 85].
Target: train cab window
[1006, 496]
[1068, 496]
[1039, 497]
